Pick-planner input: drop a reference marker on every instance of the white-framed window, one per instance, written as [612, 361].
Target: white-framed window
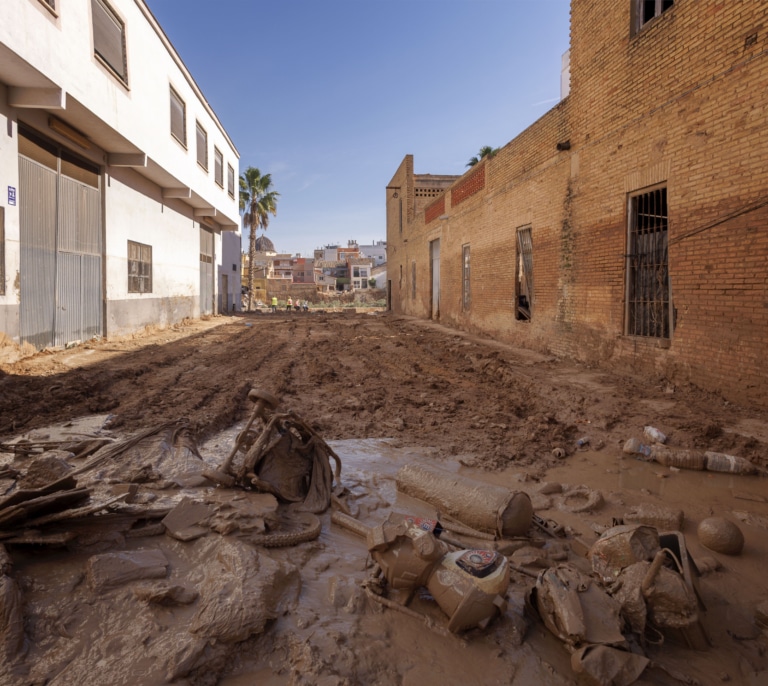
[202, 146]
[178, 118]
[644, 11]
[648, 307]
[109, 39]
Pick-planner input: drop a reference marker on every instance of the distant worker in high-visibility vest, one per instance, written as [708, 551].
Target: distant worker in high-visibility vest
[289, 304]
[274, 303]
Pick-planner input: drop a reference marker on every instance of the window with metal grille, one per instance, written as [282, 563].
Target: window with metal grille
[465, 292]
[231, 180]
[50, 3]
[524, 280]
[109, 38]
[139, 267]
[202, 146]
[218, 167]
[178, 118]
[645, 10]
[648, 302]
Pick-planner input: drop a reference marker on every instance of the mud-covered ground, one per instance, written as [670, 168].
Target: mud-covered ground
[367, 376]
[432, 396]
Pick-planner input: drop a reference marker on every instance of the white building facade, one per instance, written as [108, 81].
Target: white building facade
[117, 180]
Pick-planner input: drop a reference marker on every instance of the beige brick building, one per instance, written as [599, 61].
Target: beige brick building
[626, 227]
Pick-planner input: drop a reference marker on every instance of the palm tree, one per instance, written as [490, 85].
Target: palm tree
[485, 151]
[257, 202]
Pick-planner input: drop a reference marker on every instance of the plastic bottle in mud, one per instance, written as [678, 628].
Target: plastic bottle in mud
[732, 464]
[582, 442]
[654, 435]
[634, 447]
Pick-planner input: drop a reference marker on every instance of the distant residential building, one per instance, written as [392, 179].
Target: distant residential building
[378, 251]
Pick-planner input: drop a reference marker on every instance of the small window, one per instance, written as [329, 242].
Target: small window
[645, 10]
[139, 268]
[178, 118]
[524, 281]
[202, 147]
[465, 290]
[356, 272]
[648, 302]
[50, 3]
[109, 38]
[218, 167]
[231, 180]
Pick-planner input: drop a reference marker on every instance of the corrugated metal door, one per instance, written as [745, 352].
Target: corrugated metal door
[37, 234]
[61, 245]
[206, 271]
[434, 248]
[78, 283]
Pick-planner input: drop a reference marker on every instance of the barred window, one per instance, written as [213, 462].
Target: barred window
[139, 267]
[647, 287]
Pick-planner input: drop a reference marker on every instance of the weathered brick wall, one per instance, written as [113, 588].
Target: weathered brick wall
[680, 103]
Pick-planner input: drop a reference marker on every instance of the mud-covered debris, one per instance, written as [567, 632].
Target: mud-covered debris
[164, 594]
[582, 499]
[181, 522]
[477, 504]
[575, 609]
[720, 535]
[660, 517]
[110, 570]
[622, 546]
[608, 666]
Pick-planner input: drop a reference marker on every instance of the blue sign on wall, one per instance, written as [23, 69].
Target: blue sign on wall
[11, 195]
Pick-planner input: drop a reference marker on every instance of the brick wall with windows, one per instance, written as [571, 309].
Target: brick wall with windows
[676, 103]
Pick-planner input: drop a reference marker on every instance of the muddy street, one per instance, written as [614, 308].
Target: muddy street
[385, 392]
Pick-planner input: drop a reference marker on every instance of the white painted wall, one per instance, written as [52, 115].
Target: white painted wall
[43, 49]
[61, 49]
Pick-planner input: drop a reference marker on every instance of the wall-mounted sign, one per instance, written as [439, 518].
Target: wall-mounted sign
[11, 195]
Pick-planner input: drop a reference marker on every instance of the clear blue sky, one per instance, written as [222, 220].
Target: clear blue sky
[329, 95]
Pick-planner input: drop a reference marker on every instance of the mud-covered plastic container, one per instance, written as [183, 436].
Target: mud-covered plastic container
[731, 464]
[680, 458]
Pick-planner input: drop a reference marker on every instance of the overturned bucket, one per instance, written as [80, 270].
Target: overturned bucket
[483, 506]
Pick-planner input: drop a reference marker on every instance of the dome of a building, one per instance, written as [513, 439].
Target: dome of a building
[263, 244]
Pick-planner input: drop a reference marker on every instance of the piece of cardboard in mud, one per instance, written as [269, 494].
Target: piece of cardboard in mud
[181, 521]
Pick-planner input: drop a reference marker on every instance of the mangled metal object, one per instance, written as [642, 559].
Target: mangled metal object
[286, 458]
[469, 586]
